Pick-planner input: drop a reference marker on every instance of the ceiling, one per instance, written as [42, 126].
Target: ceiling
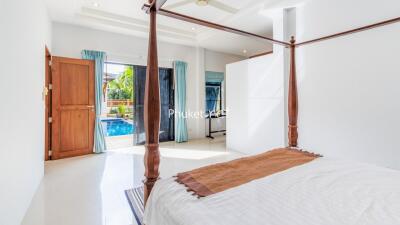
[126, 17]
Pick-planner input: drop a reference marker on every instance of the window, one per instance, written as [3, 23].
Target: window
[213, 97]
[214, 92]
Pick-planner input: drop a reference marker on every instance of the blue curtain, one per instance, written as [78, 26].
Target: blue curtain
[98, 57]
[180, 70]
[212, 94]
[214, 77]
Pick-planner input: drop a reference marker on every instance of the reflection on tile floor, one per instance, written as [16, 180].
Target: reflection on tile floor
[89, 190]
[117, 142]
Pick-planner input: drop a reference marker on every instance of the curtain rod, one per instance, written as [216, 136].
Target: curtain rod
[205, 23]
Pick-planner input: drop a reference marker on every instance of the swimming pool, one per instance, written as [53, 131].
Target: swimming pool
[117, 127]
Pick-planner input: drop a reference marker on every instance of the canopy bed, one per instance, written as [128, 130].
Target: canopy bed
[282, 186]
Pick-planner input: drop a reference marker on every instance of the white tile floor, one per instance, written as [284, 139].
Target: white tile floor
[89, 190]
[123, 141]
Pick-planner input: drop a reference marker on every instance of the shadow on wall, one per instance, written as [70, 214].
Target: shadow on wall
[255, 99]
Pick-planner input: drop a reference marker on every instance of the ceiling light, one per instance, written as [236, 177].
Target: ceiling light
[202, 2]
[96, 4]
[193, 28]
[244, 51]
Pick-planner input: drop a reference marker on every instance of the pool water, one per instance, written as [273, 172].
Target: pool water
[117, 127]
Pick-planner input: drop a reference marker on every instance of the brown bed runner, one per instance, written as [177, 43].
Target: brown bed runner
[215, 178]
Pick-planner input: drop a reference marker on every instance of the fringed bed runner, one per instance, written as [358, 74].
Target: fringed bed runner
[215, 178]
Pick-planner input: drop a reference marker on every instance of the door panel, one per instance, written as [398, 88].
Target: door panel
[167, 103]
[74, 84]
[72, 121]
[73, 107]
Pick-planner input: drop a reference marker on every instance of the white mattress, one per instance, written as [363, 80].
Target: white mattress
[321, 192]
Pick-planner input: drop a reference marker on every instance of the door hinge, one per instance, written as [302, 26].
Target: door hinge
[50, 153]
[50, 62]
[50, 86]
[50, 119]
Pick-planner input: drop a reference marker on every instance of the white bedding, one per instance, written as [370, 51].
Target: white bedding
[322, 192]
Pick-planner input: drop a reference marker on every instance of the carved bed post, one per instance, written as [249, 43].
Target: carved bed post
[151, 110]
[292, 97]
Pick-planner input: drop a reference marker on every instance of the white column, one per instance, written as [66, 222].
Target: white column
[284, 26]
[201, 87]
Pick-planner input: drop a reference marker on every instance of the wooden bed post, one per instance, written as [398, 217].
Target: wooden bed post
[151, 110]
[292, 97]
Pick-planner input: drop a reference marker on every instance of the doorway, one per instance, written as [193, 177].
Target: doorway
[118, 114]
[123, 121]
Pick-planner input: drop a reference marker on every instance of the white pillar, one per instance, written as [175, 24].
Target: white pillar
[201, 89]
[284, 26]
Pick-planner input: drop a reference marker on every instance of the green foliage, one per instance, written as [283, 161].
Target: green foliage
[113, 111]
[121, 109]
[122, 87]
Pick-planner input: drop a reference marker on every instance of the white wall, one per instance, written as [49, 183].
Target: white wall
[255, 99]
[217, 61]
[349, 86]
[256, 96]
[25, 32]
[70, 40]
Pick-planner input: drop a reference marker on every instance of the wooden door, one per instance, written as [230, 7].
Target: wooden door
[73, 111]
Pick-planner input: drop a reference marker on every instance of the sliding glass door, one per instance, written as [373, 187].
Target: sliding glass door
[167, 103]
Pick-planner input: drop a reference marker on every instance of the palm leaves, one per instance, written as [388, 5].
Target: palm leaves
[122, 87]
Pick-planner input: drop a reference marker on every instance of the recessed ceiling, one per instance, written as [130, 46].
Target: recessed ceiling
[126, 16]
